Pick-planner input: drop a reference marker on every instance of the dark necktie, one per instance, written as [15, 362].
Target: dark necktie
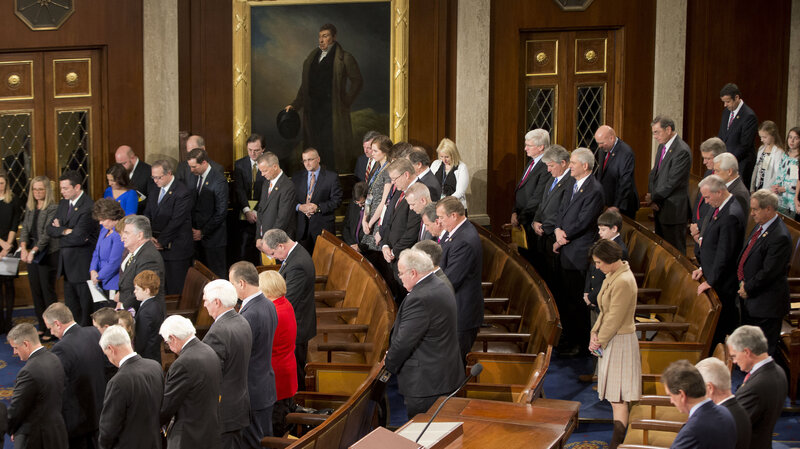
[661, 158]
[730, 120]
[253, 182]
[753, 239]
[525, 176]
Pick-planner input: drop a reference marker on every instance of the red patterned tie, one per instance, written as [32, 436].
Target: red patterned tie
[525, 176]
[605, 161]
[740, 268]
[402, 195]
[311, 185]
[745, 378]
[730, 120]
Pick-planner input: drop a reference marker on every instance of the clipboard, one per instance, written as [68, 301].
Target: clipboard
[9, 265]
[97, 294]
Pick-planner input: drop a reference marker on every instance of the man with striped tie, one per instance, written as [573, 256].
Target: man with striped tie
[318, 194]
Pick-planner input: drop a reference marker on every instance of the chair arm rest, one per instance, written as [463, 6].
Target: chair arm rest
[321, 279]
[187, 313]
[495, 300]
[306, 419]
[656, 308]
[348, 347]
[656, 424]
[503, 337]
[329, 295]
[501, 319]
[277, 442]
[172, 301]
[342, 328]
[328, 311]
[655, 400]
[670, 327]
[648, 293]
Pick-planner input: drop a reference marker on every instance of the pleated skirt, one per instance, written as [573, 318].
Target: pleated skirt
[619, 370]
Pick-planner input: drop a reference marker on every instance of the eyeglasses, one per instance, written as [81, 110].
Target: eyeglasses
[157, 178]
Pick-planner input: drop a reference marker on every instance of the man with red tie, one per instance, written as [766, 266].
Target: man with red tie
[763, 287]
[615, 171]
[737, 128]
[530, 188]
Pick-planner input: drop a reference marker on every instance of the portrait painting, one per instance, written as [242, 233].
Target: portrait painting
[337, 79]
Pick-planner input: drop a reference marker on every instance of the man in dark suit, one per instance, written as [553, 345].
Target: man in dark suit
[170, 212]
[247, 184]
[142, 255]
[556, 158]
[421, 162]
[231, 338]
[76, 232]
[297, 269]
[84, 368]
[128, 420]
[34, 415]
[727, 168]
[530, 189]
[276, 206]
[709, 149]
[719, 252]
[365, 164]
[762, 268]
[717, 377]
[434, 251]
[191, 389]
[615, 171]
[351, 229]
[139, 173]
[737, 128]
[418, 197]
[424, 349]
[431, 222]
[462, 262]
[669, 182]
[149, 317]
[262, 317]
[318, 195]
[764, 389]
[576, 231]
[183, 173]
[209, 227]
[709, 426]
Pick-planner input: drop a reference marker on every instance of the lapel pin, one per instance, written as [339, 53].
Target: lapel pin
[76, 208]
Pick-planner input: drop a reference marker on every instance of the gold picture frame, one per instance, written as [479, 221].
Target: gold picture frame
[241, 74]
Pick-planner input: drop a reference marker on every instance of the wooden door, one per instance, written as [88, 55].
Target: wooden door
[570, 85]
[51, 117]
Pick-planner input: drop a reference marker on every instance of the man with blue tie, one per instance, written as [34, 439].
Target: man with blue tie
[247, 185]
[318, 194]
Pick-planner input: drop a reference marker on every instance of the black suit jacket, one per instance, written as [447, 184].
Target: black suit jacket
[360, 170]
[762, 397]
[744, 429]
[710, 427]
[141, 181]
[242, 182]
[400, 229]
[35, 411]
[669, 184]
[85, 379]
[578, 219]
[210, 210]
[327, 196]
[720, 248]
[423, 351]
[740, 136]
[184, 174]
[260, 313]
[742, 195]
[231, 338]
[552, 199]
[617, 178]
[147, 341]
[433, 185]
[298, 270]
[352, 223]
[462, 262]
[529, 195]
[191, 396]
[148, 258]
[76, 247]
[171, 221]
[128, 420]
[276, 209]
[765, 272]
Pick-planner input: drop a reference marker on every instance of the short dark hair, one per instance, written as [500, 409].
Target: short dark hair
[256, 138]
[682, 375]
[198, 154]
[664, 122]
[360, 190]
[330, 27]
[418, 155]
[430, 212]
[370, 135]
[430, 248]
[105, 316]
[107, 209]
[400, 149]
[119, 175]
[165, 165]
[606, 250]
[730, 90]
[609, 219]
[72, 176]
[451, 204]
[244, 271]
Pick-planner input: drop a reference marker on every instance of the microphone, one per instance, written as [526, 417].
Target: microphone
[473, 372]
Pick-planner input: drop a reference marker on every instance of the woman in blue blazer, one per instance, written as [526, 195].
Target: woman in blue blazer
[107, 254]
[119, 189]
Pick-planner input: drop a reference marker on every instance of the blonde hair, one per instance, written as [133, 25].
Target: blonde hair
[448, 147]
[271, 283]
[8, 195]
[48, 193]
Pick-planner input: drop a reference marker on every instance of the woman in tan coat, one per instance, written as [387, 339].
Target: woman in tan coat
[613, 337]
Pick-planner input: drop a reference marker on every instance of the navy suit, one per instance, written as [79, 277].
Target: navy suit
[76, 253]
[184, 174]
[433, 185]
[668, 186]
[147, 342]
[84, 368]
[209, 216]
[744, 430]
[710, 427]
[360, 170]
[141, 181]
[553, 197]
[260, 313]
[615, 172]
[762, 397]
[739, 138]
[327, 196]
[245, 190]
[719, 254]
[765, 280]
[528, 196]
[171, 222]
[298, 271]
[462, 262]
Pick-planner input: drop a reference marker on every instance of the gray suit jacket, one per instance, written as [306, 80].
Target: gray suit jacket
[276, 209]
[44, 241]
[148, 258]
[547, 214]
[669, 184]
[231, 338]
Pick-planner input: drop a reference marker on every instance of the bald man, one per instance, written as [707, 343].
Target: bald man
[138, 172]
[615, 171]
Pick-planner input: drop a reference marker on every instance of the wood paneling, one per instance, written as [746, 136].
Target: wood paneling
[737, 41]
[506, 118]
[115, 28]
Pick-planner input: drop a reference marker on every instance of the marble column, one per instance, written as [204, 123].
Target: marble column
[793, 88]
[670, 61]
[160, 33]
[472, 100]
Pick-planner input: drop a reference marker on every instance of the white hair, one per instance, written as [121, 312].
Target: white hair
[115, 335]
[585, 156]
[750, 337]
[727, 161]
[715, 372]
[538, 137]
[222, 290]
[176, 326]
[416, 260]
